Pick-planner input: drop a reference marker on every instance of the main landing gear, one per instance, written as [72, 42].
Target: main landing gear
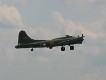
[63, 48]
[71, 47]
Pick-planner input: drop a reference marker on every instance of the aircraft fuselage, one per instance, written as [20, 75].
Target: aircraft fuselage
[25, 41]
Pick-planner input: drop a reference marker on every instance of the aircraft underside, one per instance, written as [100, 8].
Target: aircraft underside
[62, 48]
[50, 47]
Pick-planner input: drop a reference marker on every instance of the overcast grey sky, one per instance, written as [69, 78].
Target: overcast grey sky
[47, 19]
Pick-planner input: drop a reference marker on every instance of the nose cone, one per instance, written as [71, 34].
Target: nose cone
[82, 39]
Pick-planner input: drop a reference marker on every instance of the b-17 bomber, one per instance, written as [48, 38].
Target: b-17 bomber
[24, 41]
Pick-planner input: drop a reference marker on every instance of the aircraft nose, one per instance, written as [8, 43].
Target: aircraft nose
[81, 39]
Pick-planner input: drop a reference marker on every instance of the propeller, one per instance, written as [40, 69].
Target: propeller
[83, 39]
[82, 35]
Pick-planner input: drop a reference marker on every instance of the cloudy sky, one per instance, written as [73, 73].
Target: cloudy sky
[47, 19]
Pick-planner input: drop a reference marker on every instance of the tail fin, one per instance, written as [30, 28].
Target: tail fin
[24, 38]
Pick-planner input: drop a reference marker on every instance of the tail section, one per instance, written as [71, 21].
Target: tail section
[23, 38]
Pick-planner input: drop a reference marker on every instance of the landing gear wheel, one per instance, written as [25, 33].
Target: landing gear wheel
[62, 48]
[71, 47]
[32, 49]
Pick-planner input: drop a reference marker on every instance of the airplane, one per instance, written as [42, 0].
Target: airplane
[24, 41]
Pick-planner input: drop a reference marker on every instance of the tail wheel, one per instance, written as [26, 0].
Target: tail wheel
[62, 48]
[32, 49]
[71, 47]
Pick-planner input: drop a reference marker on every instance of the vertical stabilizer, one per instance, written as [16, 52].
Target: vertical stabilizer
[23, 38]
